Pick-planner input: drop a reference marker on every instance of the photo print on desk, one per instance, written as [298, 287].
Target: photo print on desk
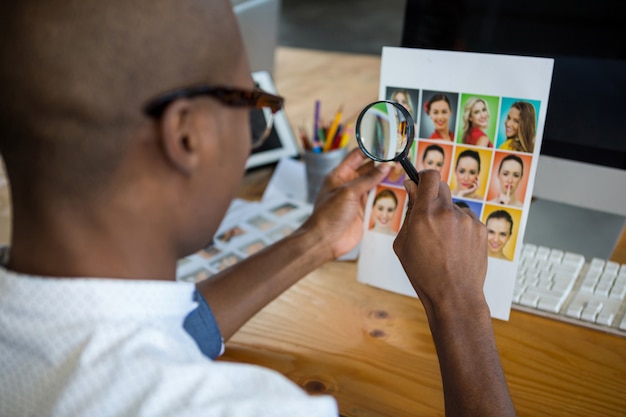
[247, 228]
[479, 121]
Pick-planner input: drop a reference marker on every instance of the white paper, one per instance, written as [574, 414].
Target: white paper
[288, 180]
[500, 81]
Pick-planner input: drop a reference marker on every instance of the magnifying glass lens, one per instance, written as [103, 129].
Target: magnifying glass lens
[384, 132]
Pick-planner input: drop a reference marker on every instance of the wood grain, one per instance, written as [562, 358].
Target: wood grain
[372, 350]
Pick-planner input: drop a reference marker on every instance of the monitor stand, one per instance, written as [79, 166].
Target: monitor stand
[562, 226]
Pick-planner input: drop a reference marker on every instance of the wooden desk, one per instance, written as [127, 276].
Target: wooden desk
[372, 349]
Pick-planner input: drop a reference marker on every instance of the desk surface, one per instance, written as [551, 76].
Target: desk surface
[371, 349]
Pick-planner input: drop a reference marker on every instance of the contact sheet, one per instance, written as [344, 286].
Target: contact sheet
[479, 121]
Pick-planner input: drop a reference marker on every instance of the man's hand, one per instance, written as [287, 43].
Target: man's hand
[340, 205]
[442, 247]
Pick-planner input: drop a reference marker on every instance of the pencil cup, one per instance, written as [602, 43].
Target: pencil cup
[317, 166]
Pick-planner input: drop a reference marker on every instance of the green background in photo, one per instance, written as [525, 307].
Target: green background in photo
[493, 103]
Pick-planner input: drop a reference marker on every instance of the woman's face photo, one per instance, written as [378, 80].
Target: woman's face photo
[466, 172]
[403, 100]
[440, 114]
[433, 159]
[498, 234]
[510, 176]
[384, 209]
[511, 124]
[479, 115]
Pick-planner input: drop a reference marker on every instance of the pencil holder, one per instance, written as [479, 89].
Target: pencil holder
[317, 166]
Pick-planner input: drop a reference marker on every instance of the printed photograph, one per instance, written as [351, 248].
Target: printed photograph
[509, 178]
[261, 223]
[478, 120]
[387, 209]
[470, 172]
[437, 156]
[253, 247]
[502, 229]
[439, 116]
[230, 234]
[283, 209]
[518, 125]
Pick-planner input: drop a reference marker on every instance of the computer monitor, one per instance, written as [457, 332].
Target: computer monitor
[259, 22]
[583, 154]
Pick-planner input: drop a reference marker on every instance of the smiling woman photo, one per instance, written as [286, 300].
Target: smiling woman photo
[476, 122]
[467, 171]
[520, 127]
[499, 230]
[383, 211]
[439, 109]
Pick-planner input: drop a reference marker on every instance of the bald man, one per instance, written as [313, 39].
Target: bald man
[124, 127]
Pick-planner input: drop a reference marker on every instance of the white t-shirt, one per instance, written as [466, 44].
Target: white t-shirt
[106, 347]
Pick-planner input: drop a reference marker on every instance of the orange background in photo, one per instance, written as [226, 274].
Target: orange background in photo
[516, 215]
[397, 216]
[447, 161]
[485, 165]
[494, 191]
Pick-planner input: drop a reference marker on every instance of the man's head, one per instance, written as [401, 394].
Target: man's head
[75, 75]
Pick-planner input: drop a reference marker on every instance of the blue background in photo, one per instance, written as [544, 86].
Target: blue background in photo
[504, 110]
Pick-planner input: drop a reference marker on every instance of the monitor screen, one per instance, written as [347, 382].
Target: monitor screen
[586, 116]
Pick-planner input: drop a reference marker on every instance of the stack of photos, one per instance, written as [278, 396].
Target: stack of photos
[247, 228]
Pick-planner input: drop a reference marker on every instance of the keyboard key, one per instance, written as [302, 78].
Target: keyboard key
[529, 250]
[546, 275]
[563, 284]
[591, 311]
[556, 256]
[611, 268]
[588, 285]
[575, 309]
[529, 300]
[551, 304]
[573, 259]
[593, 274]
[618, 291]
[542, 253]
[603, 288]
[605, 318]
[597, 264]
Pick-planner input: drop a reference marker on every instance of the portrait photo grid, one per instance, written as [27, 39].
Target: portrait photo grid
[478, 120]
[491, 178]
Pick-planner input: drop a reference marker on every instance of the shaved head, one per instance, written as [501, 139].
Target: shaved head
[74, 75]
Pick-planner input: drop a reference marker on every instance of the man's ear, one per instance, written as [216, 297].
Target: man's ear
[180, 145]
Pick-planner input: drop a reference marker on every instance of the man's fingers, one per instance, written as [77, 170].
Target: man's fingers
[353, 160]
[429, 186]
[369, 178]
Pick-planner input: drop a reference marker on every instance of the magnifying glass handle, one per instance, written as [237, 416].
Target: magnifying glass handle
[410, 170]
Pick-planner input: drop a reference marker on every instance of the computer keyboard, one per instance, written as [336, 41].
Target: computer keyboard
[567, 287]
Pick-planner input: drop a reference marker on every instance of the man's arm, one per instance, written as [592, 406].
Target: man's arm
[334, 228]
[443, 250]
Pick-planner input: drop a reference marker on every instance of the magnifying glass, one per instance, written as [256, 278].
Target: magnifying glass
[385, 132]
